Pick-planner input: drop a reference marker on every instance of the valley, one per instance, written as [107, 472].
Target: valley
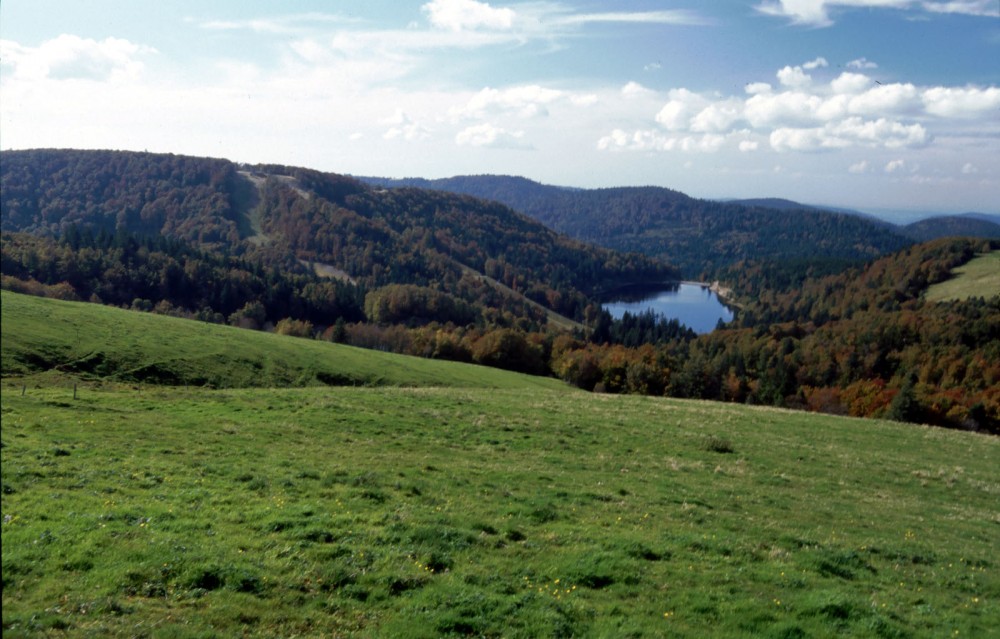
[268, 401]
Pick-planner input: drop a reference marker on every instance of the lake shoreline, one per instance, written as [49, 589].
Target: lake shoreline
[698, 305]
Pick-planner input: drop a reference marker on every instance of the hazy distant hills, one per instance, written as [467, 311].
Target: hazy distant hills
[700, 236]
[981, 225]
[952, 226]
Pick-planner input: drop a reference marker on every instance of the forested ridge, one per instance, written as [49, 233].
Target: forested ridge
[699, 236]
[377, 237]
[454, 277]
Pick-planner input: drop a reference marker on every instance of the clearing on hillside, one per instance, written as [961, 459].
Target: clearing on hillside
[980, 277]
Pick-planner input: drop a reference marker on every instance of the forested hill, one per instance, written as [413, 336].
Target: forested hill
[951, 226]
[471, 249]
[699, 236]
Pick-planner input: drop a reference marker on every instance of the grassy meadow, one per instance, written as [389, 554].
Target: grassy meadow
[980, 277]
[51, 339]
[512, 508]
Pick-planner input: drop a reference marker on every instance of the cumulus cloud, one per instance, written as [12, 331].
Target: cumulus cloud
[859, 167]
[641, 140]
[682, 106]
[653, 140]
[526, 101]
[886, 99]
[635, 90]
[848, 133]
[717, 117]
[861, 63]
[967, 102]
[459, 15]
[850, 111]
[851, 83]
[788, 107]
[794, 77]
[404, 128]
[70, 57]
[753, 88]
[490, 136]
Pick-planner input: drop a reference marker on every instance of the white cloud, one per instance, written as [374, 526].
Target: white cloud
[848, 82]
[636, 90]
[748, 145]
[718, 117]
[526, 101]
[677, 113]
[859, 167]
[490, 136]
[790, 107]
[969, 169]
[794, 77]
[404, 128]
[811, 139]
[886, 99]
[880, 133]
[642, 140]
[816, 64]
[677, 17]
[968, 102]
[653, 140]
[988, 8]
[459, 15]
[816, 13]
[753, 88]
[848, 133]
[861, 63]
[70, 57]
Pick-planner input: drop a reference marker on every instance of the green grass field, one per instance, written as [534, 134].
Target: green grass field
[93, 342]
[980, 277]
[429, 512]
[139, 510]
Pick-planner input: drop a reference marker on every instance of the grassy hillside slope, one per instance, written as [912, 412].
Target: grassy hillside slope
[375, 512]
[980, 277]
[512, 511]
[93, 342]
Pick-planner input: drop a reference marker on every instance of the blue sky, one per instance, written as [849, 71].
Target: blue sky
[871, 104]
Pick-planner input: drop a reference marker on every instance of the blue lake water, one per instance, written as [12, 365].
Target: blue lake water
[692, 304]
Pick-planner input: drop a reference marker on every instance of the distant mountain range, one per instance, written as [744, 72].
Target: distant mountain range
[702, 236]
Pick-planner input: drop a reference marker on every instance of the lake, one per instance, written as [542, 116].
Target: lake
[693, 305]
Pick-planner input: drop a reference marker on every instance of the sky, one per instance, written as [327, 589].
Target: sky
[866, 104]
